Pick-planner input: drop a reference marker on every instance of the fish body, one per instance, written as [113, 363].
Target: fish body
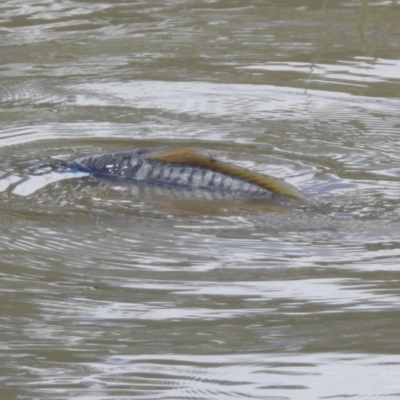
[185, 169]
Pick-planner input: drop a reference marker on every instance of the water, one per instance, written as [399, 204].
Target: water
[107, 295]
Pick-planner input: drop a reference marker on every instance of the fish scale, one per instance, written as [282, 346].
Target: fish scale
[184, 168]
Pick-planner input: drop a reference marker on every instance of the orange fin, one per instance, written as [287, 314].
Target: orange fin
[183, 155]
[191, 156]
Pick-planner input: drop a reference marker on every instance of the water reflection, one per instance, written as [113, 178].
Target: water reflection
[268, 377]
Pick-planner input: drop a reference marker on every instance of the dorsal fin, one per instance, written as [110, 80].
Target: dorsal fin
[191, 156]
[182, 155]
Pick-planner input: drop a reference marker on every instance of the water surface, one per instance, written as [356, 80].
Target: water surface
[108, 295]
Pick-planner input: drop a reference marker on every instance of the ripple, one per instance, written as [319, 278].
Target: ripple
[238, 101]
[226, 376]
[362, 69]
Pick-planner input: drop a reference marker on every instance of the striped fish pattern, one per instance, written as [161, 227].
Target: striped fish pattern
[187, 169]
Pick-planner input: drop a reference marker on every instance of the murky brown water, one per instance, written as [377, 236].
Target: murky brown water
[105, 295]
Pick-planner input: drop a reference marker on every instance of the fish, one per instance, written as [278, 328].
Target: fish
[186, 170]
